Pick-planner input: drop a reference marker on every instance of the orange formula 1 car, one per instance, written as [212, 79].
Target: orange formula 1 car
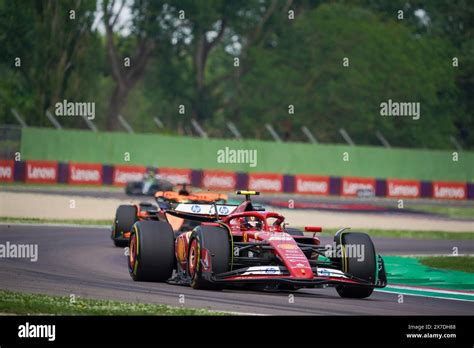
[127, 214]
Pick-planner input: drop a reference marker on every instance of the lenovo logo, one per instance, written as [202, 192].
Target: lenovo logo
[83, 173]
[6, 171]
[122, 177]
[449, 190]
[219, 180]
[312, 184]
[262, 184]
[175, 175]
[353, 186]
[403, 188]
[41, 172]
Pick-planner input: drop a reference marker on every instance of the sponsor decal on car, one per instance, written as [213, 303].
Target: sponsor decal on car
[352, 186]
[323, 272]
[263, 270]
[317, 185]
[196, 208]
[175, 175]
[296, 258]
[218, 180]
[205, 209]
[265, 182]
[287, 246]
[329, 272]
[84, 173]
[403, 188]
[449, 190]
[281, 236]
[223, 210]
[45, 172]
[6, 170]
[123, 174]
[295, 251]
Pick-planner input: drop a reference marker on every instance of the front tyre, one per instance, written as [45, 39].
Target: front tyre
[151, 255]
[363, 266]
[209, 254]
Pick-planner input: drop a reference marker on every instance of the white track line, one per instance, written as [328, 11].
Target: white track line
[427, 296]
[435, 290]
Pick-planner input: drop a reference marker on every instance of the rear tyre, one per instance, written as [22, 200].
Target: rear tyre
[216, 240]
[151, 255]
[365, 268]
[120, 243]
[125, 217]
[133, 188]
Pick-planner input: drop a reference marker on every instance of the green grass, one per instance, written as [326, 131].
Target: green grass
[454, 212]
[455, 263]
[21, 303]
[55, 221]
[410, 234]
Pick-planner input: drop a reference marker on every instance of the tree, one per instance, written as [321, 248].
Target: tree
[205, 32]
[454, 21]
[128, 70]
[451, 20]
[386, 61]
[48, 60]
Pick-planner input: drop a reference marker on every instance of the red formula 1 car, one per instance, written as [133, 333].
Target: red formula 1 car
[252, 248]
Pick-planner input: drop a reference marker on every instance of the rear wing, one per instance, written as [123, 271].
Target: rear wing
[196, 197]
[201, 212]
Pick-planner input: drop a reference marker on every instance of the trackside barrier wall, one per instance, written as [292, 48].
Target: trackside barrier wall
[283, 158]
[73, 173]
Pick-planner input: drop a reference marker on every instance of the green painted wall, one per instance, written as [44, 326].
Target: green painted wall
[288, 158]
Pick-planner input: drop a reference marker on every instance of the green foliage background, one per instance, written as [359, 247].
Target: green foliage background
[295, 62]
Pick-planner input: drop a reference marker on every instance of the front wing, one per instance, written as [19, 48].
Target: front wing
[271, 275]
[274, 275]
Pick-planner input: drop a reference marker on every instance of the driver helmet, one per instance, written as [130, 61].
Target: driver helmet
[149, 174]
[250, 223]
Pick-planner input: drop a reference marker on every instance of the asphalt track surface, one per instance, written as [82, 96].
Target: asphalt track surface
[84, 262]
